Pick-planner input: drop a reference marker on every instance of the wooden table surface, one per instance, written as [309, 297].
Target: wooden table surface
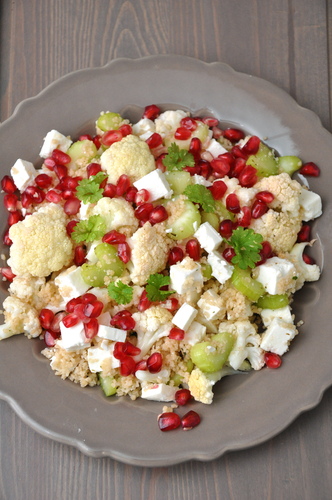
[287, 42]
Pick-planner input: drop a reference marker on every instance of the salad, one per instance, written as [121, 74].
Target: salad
[156, 258]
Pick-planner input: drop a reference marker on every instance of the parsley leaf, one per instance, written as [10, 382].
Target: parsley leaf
[155, 282]
[247, 245]
[89, 190]
[91, 229]
[177, 158]
[202, 195]
[121, 293]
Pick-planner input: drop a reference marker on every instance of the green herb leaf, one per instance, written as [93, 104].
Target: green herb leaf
[247, 245]
[91, 229]
[177, 158]
[155, 282]
[121, 293]
[89, 190]
[202, 195]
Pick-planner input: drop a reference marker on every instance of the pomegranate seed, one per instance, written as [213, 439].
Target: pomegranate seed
[72, 206]
[71, 182]
[43, 181]
[188, 123]
[151, 112]
[126, 322]
[217, 133]
[159, 162]
[125, 130]
[70, 320]
[265, 196]
[7, 241]
[109, 191]
[85, 137]
[272, 360]
[122, 185]
[190, 420]
[124, 252]
[70, 226]
[218, 189]
[170, 304]
[210, 121]
[310, 169]
[10, 202]
[14, 217]
[131, 194]
[141, 365]
[226, 228]
[193, 249]
[36, 194]
[94, 309]
[79, 311]
[182, 134]
[266, 249]
[220, 166]
[258, 209]
[97, 141]
[144, 302]
[7, 273]
[193, 170]
[233, 134]
[118, 350]
[79, 257]
[50, 163]
[114, 238]
[176, 333]
[142, 196]
[262, 260]
[66, 195]
[127, 366]
[195, 148]
[175, 255]
[55, 325]
[50, 338]
[61, 171]
[251, 147]
[304, 234]
[238, 167]
[143, 211]
[182, 396]
[238, 153]
[88, 298]
[93, 169]
[154, 141]
[248, 177]
[111, 137]
[308, 260]
[8, 185]
[205, 167]
[244, 218]
[155, 362]
[91, 328]
[158, 214]
[228, 254]
[130, 349]
[72, 304]
[46, 317]
[233, 204]
[53, 197]
[61, 157]
[168, 421]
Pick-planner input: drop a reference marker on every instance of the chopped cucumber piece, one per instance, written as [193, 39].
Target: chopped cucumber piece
[212, 219]
[183, 226]
[273, 301]
[289, 164]
[201, 132]
[109, 121]
[108, 257]
[210, 356]
[107, 385]
[93, 275]
[81, 149]
[245, 284]
[264, 161]
[222, 211]
[178, 181]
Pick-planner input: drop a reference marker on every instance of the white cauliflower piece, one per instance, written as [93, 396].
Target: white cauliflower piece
[144, 128]
[168, 122]
[245, 195]
[151, 325]
[200, 384]
[285, 190]
[279, 229]
[40, 243]
[130, 156]
[21, 318]
[118, 214]
[27, 288]
[310, 272]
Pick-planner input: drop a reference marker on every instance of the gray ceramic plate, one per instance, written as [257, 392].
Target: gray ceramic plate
[247, 410]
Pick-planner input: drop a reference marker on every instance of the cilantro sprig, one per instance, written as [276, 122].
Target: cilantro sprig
[153, 288]
[246, 244]
[177, 158]
[89, 190]
[202, 195]
[91, 229]
[121, 293]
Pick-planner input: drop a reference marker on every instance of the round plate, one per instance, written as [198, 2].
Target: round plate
[247, 409]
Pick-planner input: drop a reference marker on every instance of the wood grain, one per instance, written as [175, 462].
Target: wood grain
[287, 42]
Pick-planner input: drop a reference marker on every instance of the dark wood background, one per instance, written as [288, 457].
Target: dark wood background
[287, 42]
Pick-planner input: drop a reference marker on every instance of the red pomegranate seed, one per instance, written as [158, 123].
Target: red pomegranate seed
[36, 194]
[251, 147]
[248, 177]
[141, 365]
[111, 137]
[70, 226]
[266, 249]
[175, 255]
[210, 121]
[122, 185]
[272, 360]
[143, 211]
[142, 196]
[176, 333]
[72, 206]
[125, 130]
[93, 309]
[182, 134]
[43, 181]
[10, 202]
[195, 148]
[258, 209]
[265, 196]
[93, 169]
[168, 421]
[144, 302]
[233, 204]
[151, 112]
[262, 260]
[130, 349]
[125, 322]
[127, 366]
[154, 141]
[118, 350]
[67, 194]
[131, 194]
[228, 254]
[239, 153]
[159, 162]
[46, 317]
[182, 397]
[88, 298]
[217, 133]
[220, 166]
[238, 167]
[53, 197]
[91, 328]
[188, 123]
[6, 240]
[7, 273]
[79, 311]
[233, 134]
[70, 320]
[190, 420]
[79, 257]
[114, 238]
[155, 362]
[205, 167]
[85, 137]
[193, 249]
[193, 170]
[124, 252]
[109, 191]
[70, 182]
[61, 171]
[308, 260]
[55, 325]
[310, 169]
[8, 185]
[226, 228]
[50, 163]
[170, 304]
[72, 304]
[218, 189]
[14, 217]
[158, 214]
[97, 141]
[61, 157]
[26, 200]
[304, 234]
[244, 218]
[50, 338]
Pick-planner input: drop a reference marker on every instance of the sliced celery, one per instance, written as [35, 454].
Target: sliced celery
[264, 161]
[212, 219]
[289, 164]
[211, 356]
[107, 385]
[273, 301]
[245, 284]
[184, 226]
[178, 181]
[109, 121]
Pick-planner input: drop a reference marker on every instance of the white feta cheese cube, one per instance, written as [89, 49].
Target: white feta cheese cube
[185, 316]
[277, 336]
[284, 313]
[159, 392]
[91, 256]
[199, 179]
[71, 284]
[186, 276]
[110, 333]
[104, 319]
[195, 333]
[211, 305]
[147, 377]
[144, 128]
[221, 269]
[208, 237]
[102, 295]
[23, 174]
[73, 338]
[155, 182]
[311, 204]
[215, 148]
[273, 272]
[52, 141]
[95, 358]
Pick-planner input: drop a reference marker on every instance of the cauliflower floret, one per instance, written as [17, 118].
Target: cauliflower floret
[118, 214]
[130, 156]
[308, 272]
[40, 243]
[200, 384]
[245, 195]
[168, 122]
[21, 317]
[26, 288]
[279, 229]
[151, 325]
[150, 247]
[286, 192]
